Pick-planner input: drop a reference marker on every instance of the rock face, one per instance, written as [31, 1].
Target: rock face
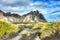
[33, 16]
[53, 37]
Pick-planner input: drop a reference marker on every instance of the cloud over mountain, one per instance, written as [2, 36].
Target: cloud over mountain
[25, 6]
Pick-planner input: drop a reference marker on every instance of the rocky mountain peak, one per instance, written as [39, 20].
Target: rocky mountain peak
[33, 16]
[34, 12]
[1, 11]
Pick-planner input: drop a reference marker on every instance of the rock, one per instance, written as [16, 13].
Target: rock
[33, 16]
[53, 37]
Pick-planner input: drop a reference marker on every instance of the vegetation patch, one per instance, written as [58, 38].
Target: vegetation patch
[46, 29]
[6, 28]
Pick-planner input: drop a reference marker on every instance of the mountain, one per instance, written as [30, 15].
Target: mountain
[33, 16]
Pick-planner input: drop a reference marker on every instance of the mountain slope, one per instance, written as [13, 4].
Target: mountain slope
[33, 16]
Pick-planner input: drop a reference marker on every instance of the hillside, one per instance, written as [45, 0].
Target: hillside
[33, 16]
[29, 31]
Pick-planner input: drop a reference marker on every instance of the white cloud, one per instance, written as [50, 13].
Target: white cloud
[16, 8]
[58, 13]
[44, 7]
[15, 1]
[28, 8]
[38, 4]
[9, 1]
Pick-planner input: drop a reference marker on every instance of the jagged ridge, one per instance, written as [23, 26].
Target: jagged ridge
[33, 16]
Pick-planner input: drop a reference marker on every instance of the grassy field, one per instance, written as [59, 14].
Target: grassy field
[6, 28]
[46, 29]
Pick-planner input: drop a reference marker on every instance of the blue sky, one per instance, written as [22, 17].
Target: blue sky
[49, 8]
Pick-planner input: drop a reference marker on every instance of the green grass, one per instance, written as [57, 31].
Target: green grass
[6, 28]
[46, 29]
